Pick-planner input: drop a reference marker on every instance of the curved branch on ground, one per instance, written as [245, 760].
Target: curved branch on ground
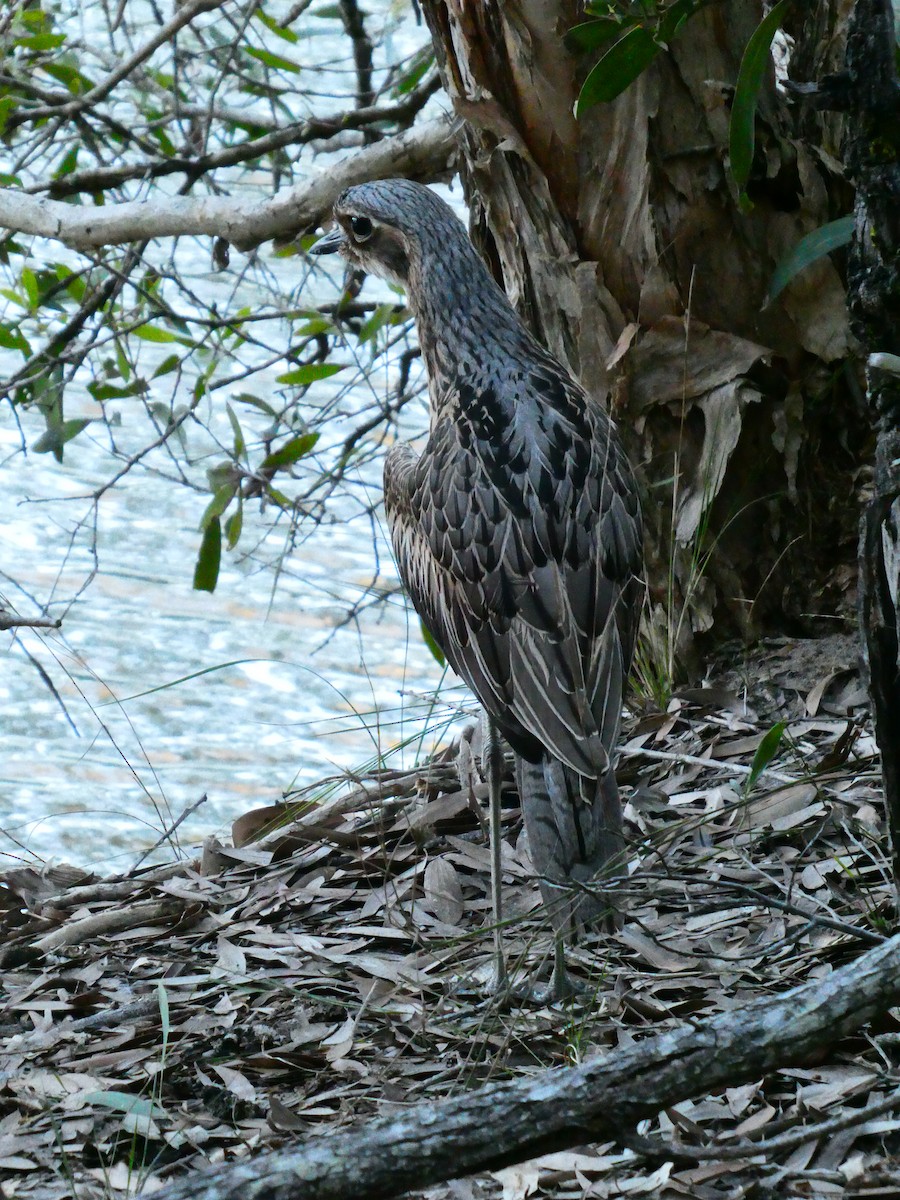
[501, 1124]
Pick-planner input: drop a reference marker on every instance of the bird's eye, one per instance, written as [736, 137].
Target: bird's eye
[361, 227]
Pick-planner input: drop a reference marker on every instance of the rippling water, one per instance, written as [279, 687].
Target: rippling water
[99, 755]
[293, 699]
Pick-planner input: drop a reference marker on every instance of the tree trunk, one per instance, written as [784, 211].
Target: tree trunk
[619, 239]
[870, 92]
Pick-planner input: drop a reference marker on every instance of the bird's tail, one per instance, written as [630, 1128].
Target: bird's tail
[574, 827]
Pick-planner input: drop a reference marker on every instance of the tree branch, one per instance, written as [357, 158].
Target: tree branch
[67, 107]
[419, 153]
[298, 134]
[505, 1123]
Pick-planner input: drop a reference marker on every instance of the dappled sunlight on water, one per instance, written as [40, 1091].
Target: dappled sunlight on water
[163, 693]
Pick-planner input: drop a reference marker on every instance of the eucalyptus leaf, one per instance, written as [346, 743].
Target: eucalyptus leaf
[206, 572]
[765, 752]
[618, 67]
[742, 130]
[291, 452]
[810, 249]
[309, 373]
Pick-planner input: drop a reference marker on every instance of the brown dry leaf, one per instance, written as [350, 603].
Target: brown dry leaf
[793, 803]
[519, 1181]
[345, 962]
[341, 1041]
[258, 823]
[443, 891]
[654, 953]
[236, 1082]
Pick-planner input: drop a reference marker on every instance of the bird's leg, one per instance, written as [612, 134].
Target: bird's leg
[494, 751]
[561, 986]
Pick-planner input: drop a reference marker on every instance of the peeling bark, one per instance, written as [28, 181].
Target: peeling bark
[869, 92]
[609, 229]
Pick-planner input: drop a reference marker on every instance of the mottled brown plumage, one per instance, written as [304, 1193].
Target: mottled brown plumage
[517, 531]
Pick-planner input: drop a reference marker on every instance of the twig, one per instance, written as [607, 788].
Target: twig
[8, 621]
[67, 107]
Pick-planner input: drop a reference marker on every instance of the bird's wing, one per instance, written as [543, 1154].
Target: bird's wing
[517, 534]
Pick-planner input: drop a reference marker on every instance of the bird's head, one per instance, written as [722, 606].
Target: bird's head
[389, 226]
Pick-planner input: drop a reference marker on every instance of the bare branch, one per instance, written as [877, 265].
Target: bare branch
[420, 153]
[8, 621]
[67, 107]
[300, 133]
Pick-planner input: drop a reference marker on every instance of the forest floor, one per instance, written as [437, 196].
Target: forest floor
[328, 971]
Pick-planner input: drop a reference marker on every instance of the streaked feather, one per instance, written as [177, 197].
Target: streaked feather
[517, 533]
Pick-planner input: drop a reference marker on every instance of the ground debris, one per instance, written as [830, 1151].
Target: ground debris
[325, 968]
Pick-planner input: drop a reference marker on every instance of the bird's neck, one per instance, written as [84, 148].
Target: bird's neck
[466, 325]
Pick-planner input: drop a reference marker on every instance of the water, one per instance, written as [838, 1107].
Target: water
[269, 686]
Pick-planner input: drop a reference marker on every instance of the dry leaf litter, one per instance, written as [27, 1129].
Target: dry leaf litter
[326, 967]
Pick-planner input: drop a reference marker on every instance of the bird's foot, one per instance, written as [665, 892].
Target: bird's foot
[559, 989]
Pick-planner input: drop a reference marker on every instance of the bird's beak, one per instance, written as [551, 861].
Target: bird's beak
[330, 243]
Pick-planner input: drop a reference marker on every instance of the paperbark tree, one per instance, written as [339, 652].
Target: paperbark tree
[620, 238]
[619, 235]
[869, 91]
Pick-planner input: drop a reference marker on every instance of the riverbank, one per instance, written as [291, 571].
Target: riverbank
[325, 971]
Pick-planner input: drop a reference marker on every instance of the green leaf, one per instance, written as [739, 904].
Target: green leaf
[168, 364]
[55, 437]
[421, 61]
[591, 34]
[163, 140]
[270, 23]
[290, 452]
[765, 752]
[239, 443]
[315, 325]
[309, 373]
[163, 997]
[66, 73]
[206, 572]
[742, 132]
[428, 639]
[631, 54]
[618, 67]
[12, 338]
[152, 333]
[256, 402]
[68, 163]
[30, 284]
[272, 60]
[234, 525]
[117, 391]
[379, 318]
[217, 505]
[813, 246]
[41, 41]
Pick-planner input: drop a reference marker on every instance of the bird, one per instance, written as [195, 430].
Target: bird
[517, 533]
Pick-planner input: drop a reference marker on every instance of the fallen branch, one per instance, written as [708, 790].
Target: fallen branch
[422, 152]
[505, 1123]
